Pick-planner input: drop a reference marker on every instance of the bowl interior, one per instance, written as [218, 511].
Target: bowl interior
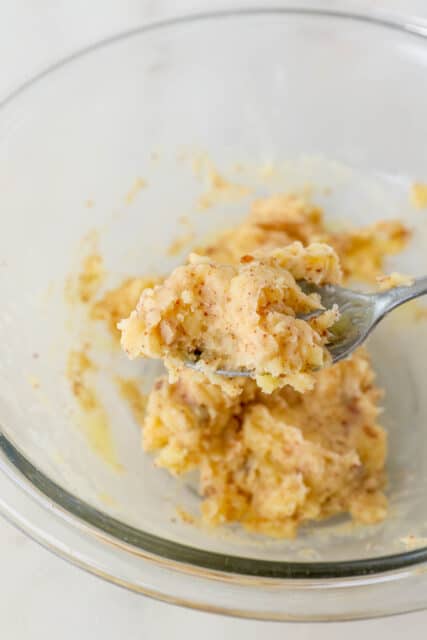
[334, 103]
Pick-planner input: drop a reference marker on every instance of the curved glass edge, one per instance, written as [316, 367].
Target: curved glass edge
[284, 600]
[413, 26]
[91, 520]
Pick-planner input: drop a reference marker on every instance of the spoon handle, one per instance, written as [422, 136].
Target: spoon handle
[393, 298]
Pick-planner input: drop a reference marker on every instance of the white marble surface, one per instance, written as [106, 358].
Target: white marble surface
[40, 595]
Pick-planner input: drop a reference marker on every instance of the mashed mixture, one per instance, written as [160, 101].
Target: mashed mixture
[274, 461]
[306, 451]
[241, 316]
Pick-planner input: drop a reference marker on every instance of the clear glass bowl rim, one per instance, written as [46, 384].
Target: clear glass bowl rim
[91, 522]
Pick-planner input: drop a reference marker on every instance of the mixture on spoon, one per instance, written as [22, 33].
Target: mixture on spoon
[241, 316]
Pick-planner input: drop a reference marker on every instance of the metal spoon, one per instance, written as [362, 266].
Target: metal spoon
[359, 315]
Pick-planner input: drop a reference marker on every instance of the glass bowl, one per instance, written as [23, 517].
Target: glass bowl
[337, 102]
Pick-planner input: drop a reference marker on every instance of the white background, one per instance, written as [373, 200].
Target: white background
[40, 595]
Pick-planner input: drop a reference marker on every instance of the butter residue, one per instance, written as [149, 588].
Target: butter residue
[180, 243]
[34, 382]
[220, 190]
[139, 184]
[136, 399]
[83, 285]
[412, 542]
[420, 312]
[82, 292]
[185, 516]
[93, 417]
[90, 278]
[108, 500]
[419, 195]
